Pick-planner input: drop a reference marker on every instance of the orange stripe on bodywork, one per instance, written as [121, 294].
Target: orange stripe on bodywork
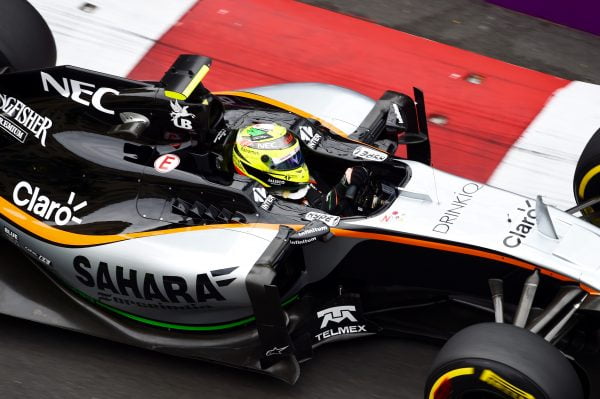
[457, 249]
[52, 234]
[49, 233]
[589, 289]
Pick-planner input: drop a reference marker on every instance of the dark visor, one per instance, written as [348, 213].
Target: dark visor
[291, 163]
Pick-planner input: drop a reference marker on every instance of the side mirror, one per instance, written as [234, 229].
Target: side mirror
[411, 138]
[311, 232]
[185, 75]
[396, 124]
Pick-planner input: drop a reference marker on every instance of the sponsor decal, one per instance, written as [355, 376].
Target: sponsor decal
[268, 204]
[129, 286]
[338, 315]
[312, 230]
[26, 195]
[459, 202]
[361, 328]
[260, 132]
[17, 119]
[309, 137]
[11, 234]
[493, 379]
[261, 197]
[220, 136]
[260, 194]
[392, 217]
[304, 241]
[37, 256]
[166, 163]
[276, 351]
[302, 237]
[261, 137]
[269, 145]
[178, 114]
[369, 154]
[275, 182]
[81, 92]
[523, 226]
[329, 220]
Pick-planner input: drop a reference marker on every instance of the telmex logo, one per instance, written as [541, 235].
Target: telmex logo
[75, 89]
[26, 195]
[337, 314]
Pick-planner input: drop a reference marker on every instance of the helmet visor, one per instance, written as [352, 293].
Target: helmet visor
[289, 162]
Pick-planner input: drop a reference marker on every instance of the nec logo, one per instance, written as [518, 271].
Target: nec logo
[337, 314]
[76, 89]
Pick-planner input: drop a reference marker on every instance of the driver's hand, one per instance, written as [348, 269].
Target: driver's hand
[357, 176]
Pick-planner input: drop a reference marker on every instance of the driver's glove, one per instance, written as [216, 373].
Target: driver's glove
[356, 176]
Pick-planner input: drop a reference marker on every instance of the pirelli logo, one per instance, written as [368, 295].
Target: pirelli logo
[493, 379]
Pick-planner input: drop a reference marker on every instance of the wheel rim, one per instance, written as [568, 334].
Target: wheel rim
[589, 187]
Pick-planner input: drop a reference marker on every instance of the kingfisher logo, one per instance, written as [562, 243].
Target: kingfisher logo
[17, 119]
[25, 195]
[179, 113]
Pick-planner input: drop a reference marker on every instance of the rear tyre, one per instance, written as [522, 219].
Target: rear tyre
[25, 39]
[501, 361]
[586, 181]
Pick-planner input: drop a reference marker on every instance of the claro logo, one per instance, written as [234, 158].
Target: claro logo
[522, 228]
[24, 195]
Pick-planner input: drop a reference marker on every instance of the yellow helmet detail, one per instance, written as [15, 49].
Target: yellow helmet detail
[270, 154]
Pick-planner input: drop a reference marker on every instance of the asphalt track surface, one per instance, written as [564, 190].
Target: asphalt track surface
[42, 362]
[486, 29]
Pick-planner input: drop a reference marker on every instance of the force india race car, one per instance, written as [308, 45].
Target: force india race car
[122, 194]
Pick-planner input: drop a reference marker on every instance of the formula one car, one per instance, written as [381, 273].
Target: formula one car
[122, 193]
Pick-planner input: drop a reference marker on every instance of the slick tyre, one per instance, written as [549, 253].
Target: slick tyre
[586, 181]
[500, 361]
[25, 39]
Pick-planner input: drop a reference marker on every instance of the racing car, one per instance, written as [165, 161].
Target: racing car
[123, 195]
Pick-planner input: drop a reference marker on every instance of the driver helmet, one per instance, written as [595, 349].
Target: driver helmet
[270, 154]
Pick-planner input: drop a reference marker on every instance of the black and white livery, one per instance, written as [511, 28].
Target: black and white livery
[123, 195]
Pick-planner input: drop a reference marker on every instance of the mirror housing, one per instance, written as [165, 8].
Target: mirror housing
[185, 75]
